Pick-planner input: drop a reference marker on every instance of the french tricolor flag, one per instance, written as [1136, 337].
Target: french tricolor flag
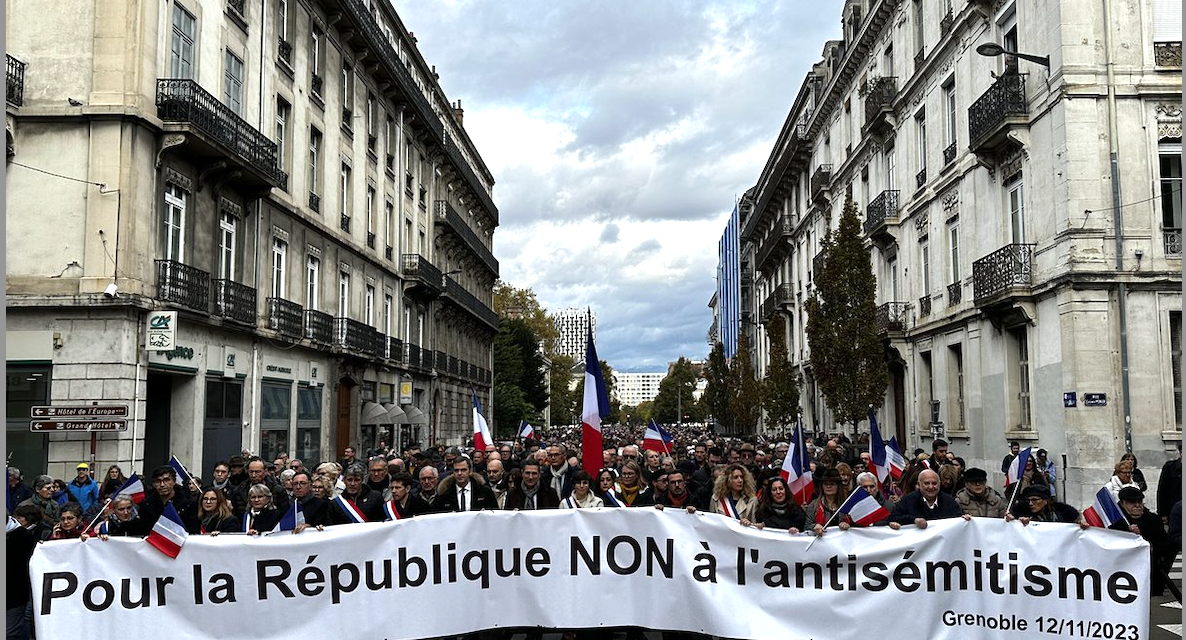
[863, 508]
[168, 535]
[594, 408]
[656, 438]
[183, 475]
[878, 460]
[1017, 467]
[526, 430]
[134, 487]
[1104, 511]
[482, 438]
[294, 517]
[893, 455]
[796, 467]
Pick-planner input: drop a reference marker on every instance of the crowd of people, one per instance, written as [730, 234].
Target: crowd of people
[737, 478]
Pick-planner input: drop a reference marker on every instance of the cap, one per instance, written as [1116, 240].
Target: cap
[1036, 491]
[453, 451]
[747, 447]
[1132, 494]
[828, 475]
[1041, 453]
[975, 475]
[83, 465]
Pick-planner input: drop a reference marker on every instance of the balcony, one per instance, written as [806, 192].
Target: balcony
[1172, 242]
[890, 318]
[775, 246]
[395, 349]
[388, 253]
[470, 303]
[237, 5]
[920, 178]
[319, 327]
[286, 317]
[442, 362]
[946, 23]
[370, 239]
[284, 51]
[881, 214]
[316, 84]
[817, 263]
[344, 223]
[315, 202]
[821, 181]
[781, 296]
[1167, 55]
[879, 104]
[234, 301]
[996, 112]
[924, 306]
[413, 355]
[955, 293]
[1004, 273]
[215, 134]
[449, 219]
[358, 336]
[949, 153]
[423, 277]
[15, 81]
[182, 284]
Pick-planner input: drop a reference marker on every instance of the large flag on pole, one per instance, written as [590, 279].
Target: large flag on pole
[526, 430]
[878, 460]
[1017, 467]
[656, 438]
[893, 455]
[595, 407]
[482, 438]
[796, 467]
[1104, 511]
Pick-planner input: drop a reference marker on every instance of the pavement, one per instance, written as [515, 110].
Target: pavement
[1165, 613]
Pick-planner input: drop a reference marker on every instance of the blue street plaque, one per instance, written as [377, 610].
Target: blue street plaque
[1069, 399]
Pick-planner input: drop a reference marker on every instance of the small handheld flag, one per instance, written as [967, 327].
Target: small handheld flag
[134, 487]
[294, 517]
[657, 438]
[1104, 511]
[482, 438]
[893, 455]
[1017, 467]
[796, 467]
[183, 476]
[526, 430]
[168, 535]
[878, 463]
[863, 508]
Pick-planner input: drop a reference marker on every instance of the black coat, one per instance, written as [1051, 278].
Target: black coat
[239, 501]
[911, 506]
[152, 507]
[546, 475]
[315, 510]
[480, 495]
[545, 498]
[212, 522]
[1055, 512]
[264, 522]
[415, 506]
[368, 501]
[1169, 485]
[794, 516]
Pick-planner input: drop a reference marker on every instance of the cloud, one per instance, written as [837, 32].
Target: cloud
[620, 135]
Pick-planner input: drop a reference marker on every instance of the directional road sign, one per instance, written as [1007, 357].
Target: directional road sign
[78, 425]
[81, 411]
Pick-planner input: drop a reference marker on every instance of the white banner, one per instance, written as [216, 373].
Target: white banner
[457, 573]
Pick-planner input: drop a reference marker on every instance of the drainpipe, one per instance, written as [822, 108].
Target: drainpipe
[1118, 226]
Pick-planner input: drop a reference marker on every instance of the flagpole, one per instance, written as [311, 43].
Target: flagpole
[100, 515]
[834, 514]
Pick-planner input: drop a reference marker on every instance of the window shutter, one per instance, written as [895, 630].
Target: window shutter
[1167, 20]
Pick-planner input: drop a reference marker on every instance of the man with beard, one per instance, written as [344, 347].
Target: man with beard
[531, 493]
[677, 492]
[496, 480]
[403, 504]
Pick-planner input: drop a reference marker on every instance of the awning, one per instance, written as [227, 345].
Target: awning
[373, 413]
[415, 416]
[395, 415]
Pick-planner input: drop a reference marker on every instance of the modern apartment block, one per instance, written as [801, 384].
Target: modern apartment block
[635, 388]
[726, 303]
[573, 326]
[290, 179]
[1022, 212]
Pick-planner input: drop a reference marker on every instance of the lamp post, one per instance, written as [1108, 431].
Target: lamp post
[992, 50]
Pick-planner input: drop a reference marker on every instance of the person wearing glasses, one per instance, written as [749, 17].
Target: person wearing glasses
[123, 519]
[165, 490]
[557, 473]
[314, 508]
[631, 487]
[1122, 478]
[582, 496]
[1036, 505]
[215, 515]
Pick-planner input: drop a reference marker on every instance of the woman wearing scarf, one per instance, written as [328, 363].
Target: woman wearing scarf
[605, 488]
[582, 496]
[122, 519]
[776, 509]
[43, 498]
[261, 516]
[632, 488]
[827, 501]
[733, 494]
[215, 514]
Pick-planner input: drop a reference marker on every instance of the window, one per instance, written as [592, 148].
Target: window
[1020, 378]
[174, 222]
[891, 167]
[1176, 363]
[953, 245]
[955, 384]
[892, 267]
[950, 107]
[343, 294]
[347, 96]
[181, 48]
[344, 196]
[389, 142]
[1015, 201]
[282, 21]
[371, 108]
[232, 83]
[371, 215]
[369, 306]
[918, 30]
[925, 253]
[926, 385]
[1171, 196]
[308, 444]
[920, 128]
[317, 59]
[312, 282]
[279, 264]
[226, 246]
[314, 160]
[283, 114]
[389, 226]
[275, 409]
[388, 303]
[887, 60]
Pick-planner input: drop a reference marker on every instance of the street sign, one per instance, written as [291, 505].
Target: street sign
[78, 425]
[1095, 399]
[1068, 399]
[81, 411]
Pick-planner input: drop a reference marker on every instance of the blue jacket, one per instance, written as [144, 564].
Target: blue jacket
[86, 493]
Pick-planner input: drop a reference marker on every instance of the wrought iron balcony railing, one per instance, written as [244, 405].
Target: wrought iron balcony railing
[284, 50]
[14, 75]
[442, 361]
[445, 213]
[314, 202]
[946, 23]
[470, 303]
[949, 153]
[955, 293]
[1005, 269]
[881, 211]
[316, 83]
[345, 223]
[185, 101]
[920, 178]
[1172, 241]
[775, 243]
[891, 316]
[1167, 54]
[286, 317]
[1004, 99]
[924, 306]
[416, 266]
[413, 355]
[821, 180]
[879, 98]
[356, 336]
[237, 5]
[234, 301]
[182, 284]
[319, 326]
[395, 348]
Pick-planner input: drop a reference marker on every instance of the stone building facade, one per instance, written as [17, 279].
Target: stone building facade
[290, 179]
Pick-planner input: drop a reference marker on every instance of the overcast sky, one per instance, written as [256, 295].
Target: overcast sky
[620, 134]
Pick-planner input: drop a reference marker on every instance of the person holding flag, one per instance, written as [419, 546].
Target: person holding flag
[526, 430]
[595, 407]
[827, 504]
[894, 457]
[796, 467]
[868, 482]
[1143, 522]
[165, 492]
[1036, 505]
[121, 519]
[657, 439]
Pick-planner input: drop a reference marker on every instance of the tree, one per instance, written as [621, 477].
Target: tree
[521, 304]
[676, 394]
[780, 388]
[745, 397]
[564, 400]
[520, 392]
[716, 394]
[847, 356]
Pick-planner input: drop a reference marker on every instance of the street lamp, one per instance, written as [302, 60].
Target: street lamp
[992, 50]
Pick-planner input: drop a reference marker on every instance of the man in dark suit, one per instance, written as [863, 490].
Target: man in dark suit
[464, 490]
[315, 509]
[358, 497]
[926, 503]
[404, 503]
[531, 493]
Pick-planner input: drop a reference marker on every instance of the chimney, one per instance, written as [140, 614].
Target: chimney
[458, 113]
